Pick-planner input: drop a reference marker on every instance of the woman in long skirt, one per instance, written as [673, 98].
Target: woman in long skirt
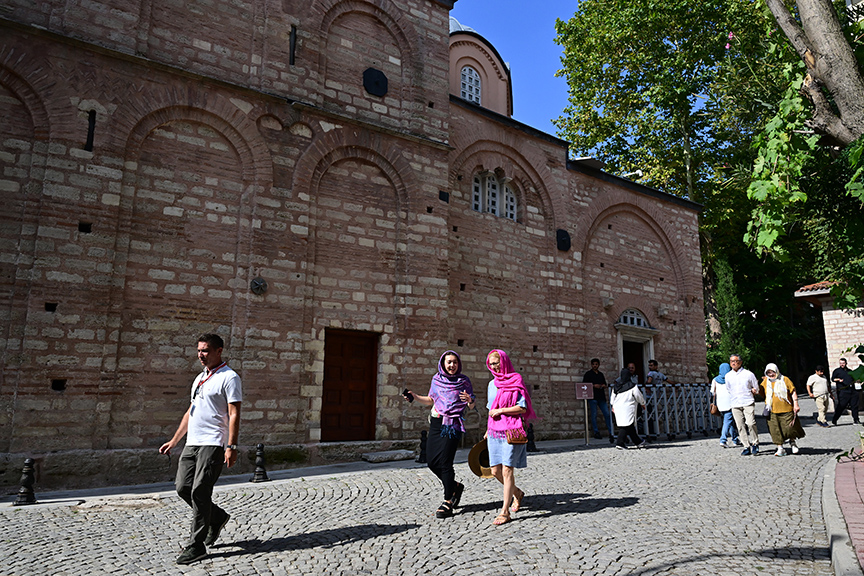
[782, 399]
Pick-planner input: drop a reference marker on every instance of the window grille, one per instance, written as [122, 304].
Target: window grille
[631, 317]
[509, 203]
[488, 195]
[470, 85]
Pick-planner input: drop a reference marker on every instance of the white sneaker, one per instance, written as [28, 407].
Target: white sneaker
[780, 452]
[795, 449]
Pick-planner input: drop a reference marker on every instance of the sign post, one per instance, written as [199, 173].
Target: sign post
[585, 392]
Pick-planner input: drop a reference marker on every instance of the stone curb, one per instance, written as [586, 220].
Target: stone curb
[843, 556]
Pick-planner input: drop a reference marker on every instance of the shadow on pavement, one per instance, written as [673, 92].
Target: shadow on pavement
[570, 503]
[321, 538]
[554, 504]
[766, 555]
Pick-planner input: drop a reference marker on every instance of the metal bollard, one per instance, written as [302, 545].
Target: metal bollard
[531, 447]
[28, 479]
[421, 458]
[260, 465]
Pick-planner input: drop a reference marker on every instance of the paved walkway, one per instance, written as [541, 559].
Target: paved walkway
[681, 507]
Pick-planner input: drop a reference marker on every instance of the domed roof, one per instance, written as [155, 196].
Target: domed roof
[455, 26]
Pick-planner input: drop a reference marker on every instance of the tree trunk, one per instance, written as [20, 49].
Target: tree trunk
[831, 65]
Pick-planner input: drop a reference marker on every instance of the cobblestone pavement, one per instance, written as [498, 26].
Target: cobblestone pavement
[680, 507]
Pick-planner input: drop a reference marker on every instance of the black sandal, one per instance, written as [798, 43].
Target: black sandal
[445, 510]
[457, 494]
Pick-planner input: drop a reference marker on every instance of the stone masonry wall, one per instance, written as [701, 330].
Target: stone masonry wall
[843, 329]
[159, 157]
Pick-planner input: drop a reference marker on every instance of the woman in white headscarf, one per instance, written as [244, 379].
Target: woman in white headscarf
[782, 400]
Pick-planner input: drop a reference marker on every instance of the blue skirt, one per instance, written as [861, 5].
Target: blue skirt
[500, 452]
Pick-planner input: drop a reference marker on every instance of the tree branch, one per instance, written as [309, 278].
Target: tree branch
[830, 64]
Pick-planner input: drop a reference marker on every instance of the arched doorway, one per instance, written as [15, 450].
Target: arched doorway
[635, 341]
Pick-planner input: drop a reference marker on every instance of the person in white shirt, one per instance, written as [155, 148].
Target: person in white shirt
[213, 426]
[742, 385]
[817, 387]
[721, 399]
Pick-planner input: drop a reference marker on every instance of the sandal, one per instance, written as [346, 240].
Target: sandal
[502, 518]
[457, 495]
[517, 501]
[445, 510]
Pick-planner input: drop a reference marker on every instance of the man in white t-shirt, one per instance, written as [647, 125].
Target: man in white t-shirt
[817, 387]
[742, 385]
[211, 426]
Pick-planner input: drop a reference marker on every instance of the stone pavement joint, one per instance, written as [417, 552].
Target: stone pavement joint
[682, 507]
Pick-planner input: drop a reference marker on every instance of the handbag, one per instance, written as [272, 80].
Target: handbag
[713, 407]
[516, 436]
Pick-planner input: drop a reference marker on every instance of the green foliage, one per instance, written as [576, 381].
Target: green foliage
[858, 372]
[783, 150]
[801, 188]
[729, 315]
[680, 89]
[641, 74]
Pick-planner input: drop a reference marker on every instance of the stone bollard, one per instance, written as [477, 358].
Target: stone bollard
[28, 479]
[260, 463]
[531, 447]
[421, 459]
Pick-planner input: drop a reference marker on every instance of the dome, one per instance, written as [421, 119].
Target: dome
[455, 26]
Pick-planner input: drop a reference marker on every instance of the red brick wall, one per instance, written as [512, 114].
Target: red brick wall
[196, 185]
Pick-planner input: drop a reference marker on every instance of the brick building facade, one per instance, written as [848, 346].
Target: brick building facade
[844, 329]
[159, 158]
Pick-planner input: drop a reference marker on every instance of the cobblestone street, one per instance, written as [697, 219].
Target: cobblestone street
[680, 507]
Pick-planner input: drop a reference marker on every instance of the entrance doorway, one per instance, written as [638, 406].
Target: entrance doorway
[633, 352]
[350, 377]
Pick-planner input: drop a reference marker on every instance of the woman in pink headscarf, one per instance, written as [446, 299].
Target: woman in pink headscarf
[509, 406]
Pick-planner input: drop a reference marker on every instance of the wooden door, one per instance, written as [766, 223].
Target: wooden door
[350, 375]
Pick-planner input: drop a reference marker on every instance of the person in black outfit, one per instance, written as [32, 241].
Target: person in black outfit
[847, 396]
[450, 394]
[598, 379]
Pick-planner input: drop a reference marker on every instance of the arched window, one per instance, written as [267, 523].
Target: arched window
[509, 203]
[470, 85]
[492, 195]
[632, 317]
[488, 195]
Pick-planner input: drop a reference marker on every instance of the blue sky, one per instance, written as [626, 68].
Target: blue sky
[524, 35]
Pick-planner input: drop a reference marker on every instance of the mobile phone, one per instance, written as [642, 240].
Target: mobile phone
[408, 395]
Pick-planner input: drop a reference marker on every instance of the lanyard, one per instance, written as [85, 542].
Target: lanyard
[206, 378]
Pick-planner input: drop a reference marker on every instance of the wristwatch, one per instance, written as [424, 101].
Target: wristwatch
[231, 446]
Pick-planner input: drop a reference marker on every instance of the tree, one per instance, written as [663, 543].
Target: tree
[817, 129]
[679, 90]
[640, 73]
[833, 82]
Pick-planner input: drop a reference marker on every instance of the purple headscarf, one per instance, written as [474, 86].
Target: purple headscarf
[444, 391]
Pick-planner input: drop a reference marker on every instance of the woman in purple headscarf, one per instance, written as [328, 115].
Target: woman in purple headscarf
[450, 393]
[509, 406]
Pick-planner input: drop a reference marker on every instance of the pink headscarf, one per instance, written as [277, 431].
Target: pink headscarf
[510, 387]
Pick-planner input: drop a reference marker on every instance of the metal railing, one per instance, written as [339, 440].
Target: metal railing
[677, 409]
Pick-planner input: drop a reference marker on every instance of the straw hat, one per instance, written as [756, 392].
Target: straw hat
[478, 460]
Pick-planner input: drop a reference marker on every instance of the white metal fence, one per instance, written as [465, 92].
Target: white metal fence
[673, 410]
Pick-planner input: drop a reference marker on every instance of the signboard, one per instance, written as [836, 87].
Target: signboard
[584, 391]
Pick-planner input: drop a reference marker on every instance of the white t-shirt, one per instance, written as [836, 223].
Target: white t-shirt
[740, 385]
[208, 419]
[722, 399]
[818, 384]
